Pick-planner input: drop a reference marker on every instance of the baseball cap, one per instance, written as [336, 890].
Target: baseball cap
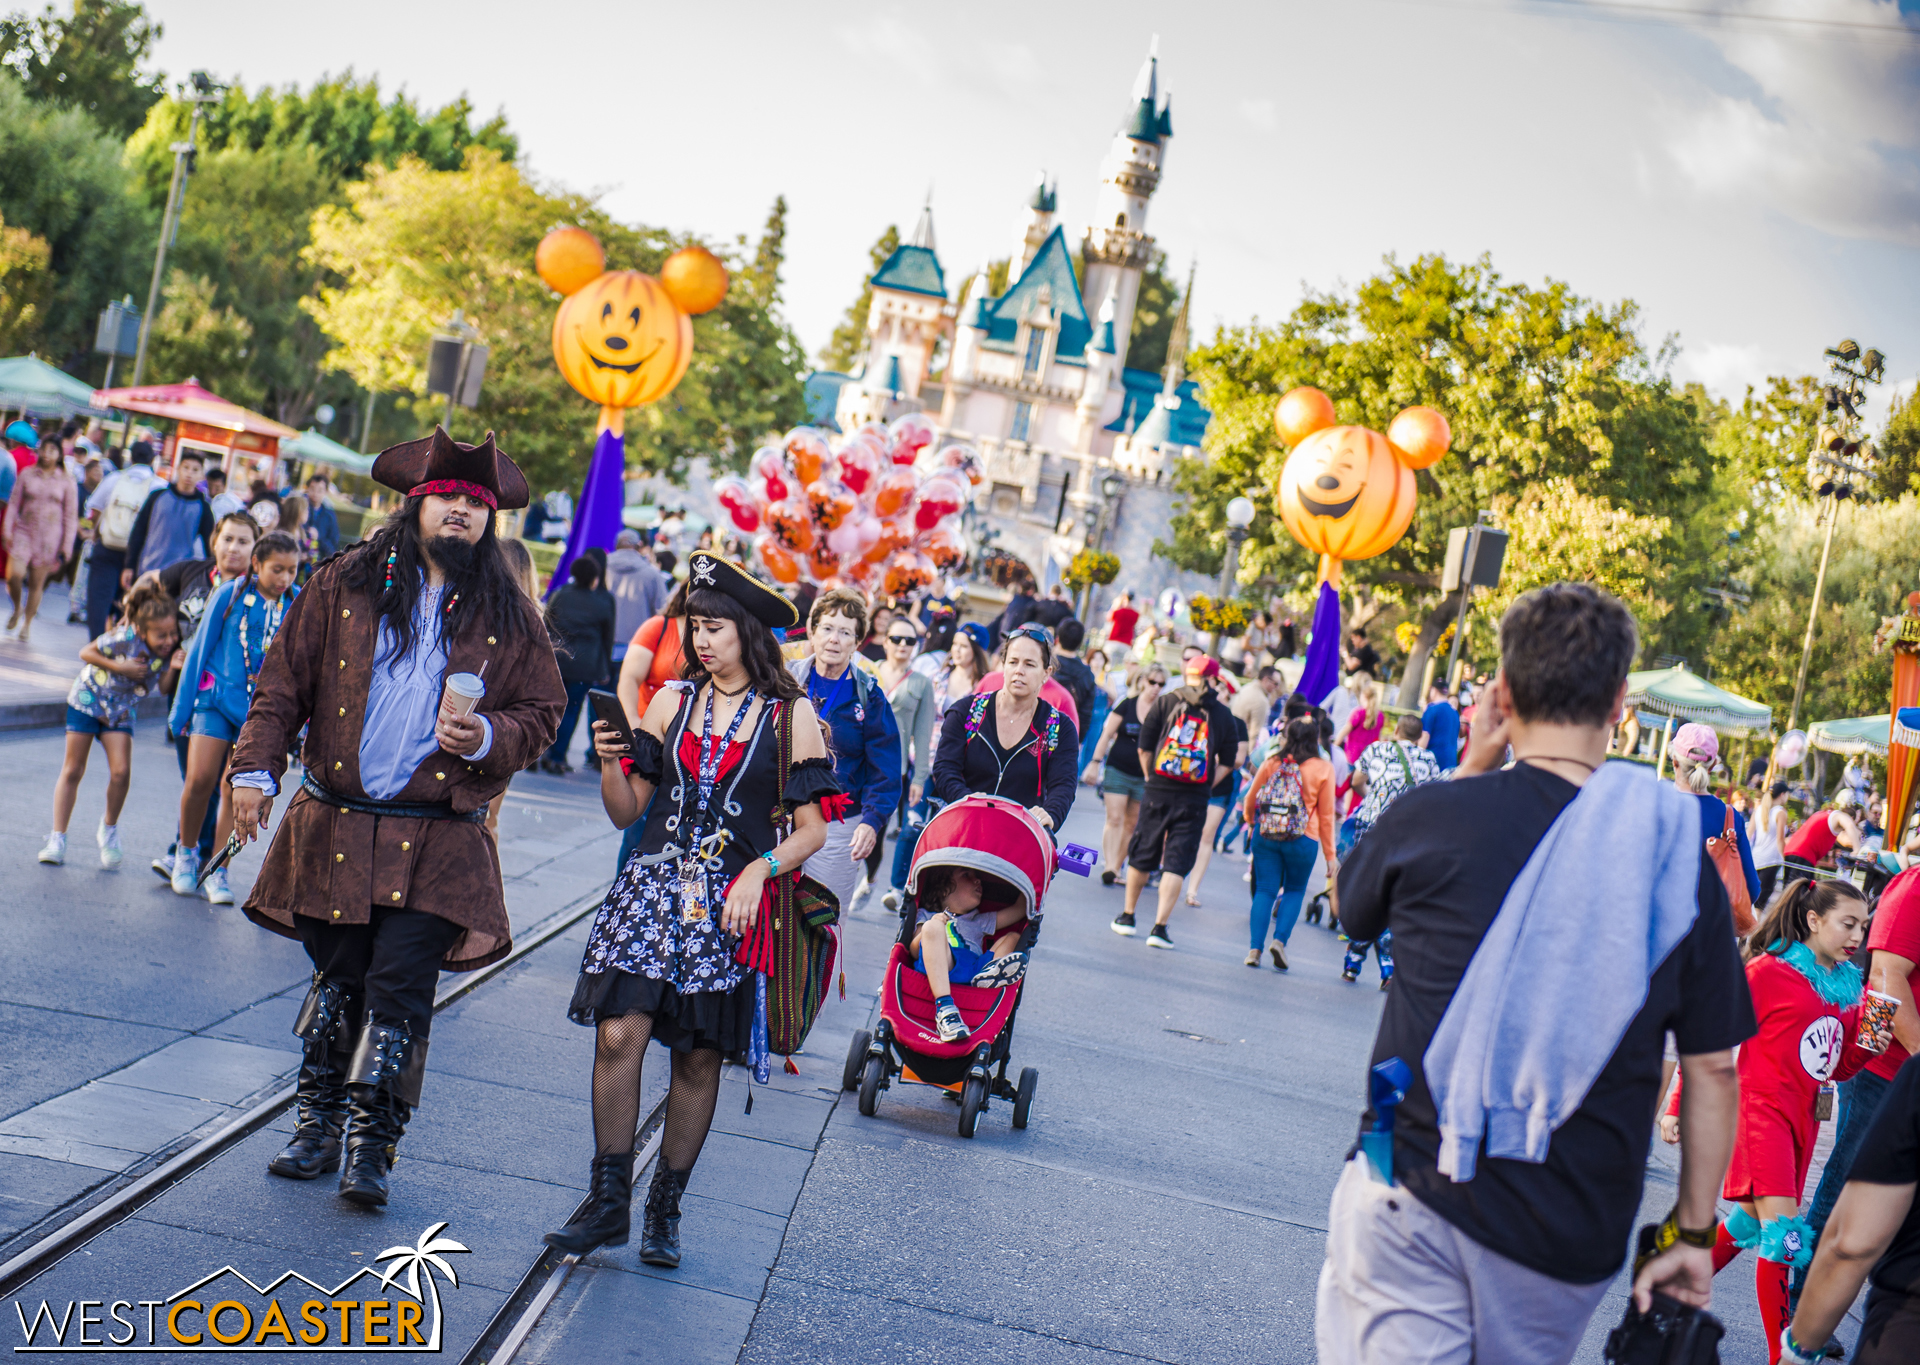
[1696, 743]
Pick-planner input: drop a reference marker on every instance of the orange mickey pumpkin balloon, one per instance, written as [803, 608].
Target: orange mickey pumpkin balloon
[894, 536]
[907, 572]
[1421, 435]
[569, 259]
[943, 546]
[621, 340]
[808, 454]
[1344, 493]
[780, 563]
[893, 491]
[791, 524]
[831, 502]
[695, 278]
[1301, 412]
[823, 562]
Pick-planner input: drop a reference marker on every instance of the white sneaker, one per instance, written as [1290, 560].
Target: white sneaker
[164, 865]
[218, 892]
[55, 853]
[186, 869]
[108, 837]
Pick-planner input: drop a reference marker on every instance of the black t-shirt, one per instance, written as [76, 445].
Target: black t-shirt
[1077, 678]
[1890, 1155]
[190, 583]
[1051, 613]
[1124, 755]
[1366, 659]
[1435, 869]
[1222, 745]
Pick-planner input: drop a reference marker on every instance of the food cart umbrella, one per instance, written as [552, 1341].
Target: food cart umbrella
[314, 448]
[1681, 695]
[31, 385]
[1860, 735]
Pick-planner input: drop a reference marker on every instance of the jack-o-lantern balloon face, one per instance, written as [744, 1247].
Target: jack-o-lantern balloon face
[621, 340]
[1345, 494]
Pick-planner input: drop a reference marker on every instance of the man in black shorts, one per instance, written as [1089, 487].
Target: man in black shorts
[1186, 739]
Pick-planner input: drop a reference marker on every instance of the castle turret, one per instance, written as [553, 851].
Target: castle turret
[1116, 247]
[1031, 229]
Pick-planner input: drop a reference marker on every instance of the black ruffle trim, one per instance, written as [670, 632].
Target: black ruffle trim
[718, 1020]
[649, 757]
[808, 780]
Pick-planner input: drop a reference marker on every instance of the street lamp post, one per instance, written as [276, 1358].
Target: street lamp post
[1239, 517]
[205, 92]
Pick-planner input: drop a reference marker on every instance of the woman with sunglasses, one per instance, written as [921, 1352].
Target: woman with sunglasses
[1116, 765]
[914, 711]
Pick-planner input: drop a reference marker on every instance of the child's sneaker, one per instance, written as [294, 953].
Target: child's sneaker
[946, 1018]
[108, 837]
[1123, 924]
[55, 853]
[1002, 971]
[186, 871]
[163, 866]
[218, 892]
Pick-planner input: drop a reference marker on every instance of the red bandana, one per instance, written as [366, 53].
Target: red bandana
[447, 488]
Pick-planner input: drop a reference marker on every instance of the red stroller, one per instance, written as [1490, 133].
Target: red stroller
[1015, 858]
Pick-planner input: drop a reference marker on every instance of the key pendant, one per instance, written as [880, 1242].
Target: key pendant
[693, 892]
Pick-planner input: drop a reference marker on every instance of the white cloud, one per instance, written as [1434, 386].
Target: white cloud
[1724, 369]
[1262, 114]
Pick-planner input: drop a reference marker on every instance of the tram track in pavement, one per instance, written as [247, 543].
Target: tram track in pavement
[55, 1246]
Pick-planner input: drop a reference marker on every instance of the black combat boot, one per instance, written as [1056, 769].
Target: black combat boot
[321, 1091]
[383, 1085]
[660, 1236]
[608, 1216]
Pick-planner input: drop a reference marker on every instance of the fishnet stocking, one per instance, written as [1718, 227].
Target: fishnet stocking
[620, 1045]
[691, 1098]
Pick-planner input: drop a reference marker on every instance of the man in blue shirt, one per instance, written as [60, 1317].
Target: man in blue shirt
[175, 522]
[1440, 728]
[326, 526]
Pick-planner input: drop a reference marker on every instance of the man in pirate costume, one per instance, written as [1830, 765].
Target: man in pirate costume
[382, 866]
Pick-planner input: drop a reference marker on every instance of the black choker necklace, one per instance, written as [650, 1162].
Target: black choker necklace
[723, 691]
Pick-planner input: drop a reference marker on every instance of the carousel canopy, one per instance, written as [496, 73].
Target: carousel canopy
[1860, 735]
[1688, 696]
[314, 448]
[28, 382]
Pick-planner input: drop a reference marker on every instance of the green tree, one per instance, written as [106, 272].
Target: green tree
[849, 340]
[1899, 448]
[193, 337]
[62, 180]
[1153, 314]
[88, 60]
[25, 283]
[1537, 384]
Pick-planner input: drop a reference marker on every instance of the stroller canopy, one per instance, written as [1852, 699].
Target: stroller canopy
[994, 837]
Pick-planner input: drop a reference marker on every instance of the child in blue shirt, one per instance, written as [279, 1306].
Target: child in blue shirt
[216, 686]
[121, 666]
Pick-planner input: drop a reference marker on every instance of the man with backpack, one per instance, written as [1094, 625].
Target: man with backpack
[113, 508]
[1186, 739]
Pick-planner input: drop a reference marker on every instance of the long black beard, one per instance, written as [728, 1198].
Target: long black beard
[454, 555]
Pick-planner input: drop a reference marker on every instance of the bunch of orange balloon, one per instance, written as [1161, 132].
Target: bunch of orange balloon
[879, 510]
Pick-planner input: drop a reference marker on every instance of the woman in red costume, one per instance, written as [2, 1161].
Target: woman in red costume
[1806, 994]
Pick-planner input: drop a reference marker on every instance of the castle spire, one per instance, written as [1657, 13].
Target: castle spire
[923, 230]
[1177, 343]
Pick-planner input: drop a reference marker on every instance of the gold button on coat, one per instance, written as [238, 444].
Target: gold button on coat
[343, 663]
[343, 710]
[344, 612]
[339, 857]
[336, 914]
[405, 844]
[439, 777]
[492, 641]
[336, 768]
[396, 895]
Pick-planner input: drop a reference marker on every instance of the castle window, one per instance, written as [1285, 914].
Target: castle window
[1036, 348]
[1022, 422]
[1119, 220]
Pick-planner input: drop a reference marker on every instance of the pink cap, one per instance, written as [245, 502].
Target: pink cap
[1696, 743]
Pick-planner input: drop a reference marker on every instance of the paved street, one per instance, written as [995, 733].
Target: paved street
[1167, 1203]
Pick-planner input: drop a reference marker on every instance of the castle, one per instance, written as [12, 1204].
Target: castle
[1076, 445]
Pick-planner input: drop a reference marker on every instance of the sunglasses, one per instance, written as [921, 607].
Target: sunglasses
[903, 639]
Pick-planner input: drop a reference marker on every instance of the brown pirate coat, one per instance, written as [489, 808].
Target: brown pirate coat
[332, 864]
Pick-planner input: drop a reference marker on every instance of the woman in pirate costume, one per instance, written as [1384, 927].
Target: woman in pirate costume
[661, 961]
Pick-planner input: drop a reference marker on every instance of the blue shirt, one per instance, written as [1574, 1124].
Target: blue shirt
[231, 644]
[863, 738]
[173, 529]
[1713, 823]
[1442, 724]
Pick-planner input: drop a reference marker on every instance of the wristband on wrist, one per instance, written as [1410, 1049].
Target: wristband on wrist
[1794, 1353]
[1704, 1238]
[773, 864]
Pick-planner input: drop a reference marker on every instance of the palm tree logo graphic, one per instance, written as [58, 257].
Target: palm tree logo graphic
[408, 1260]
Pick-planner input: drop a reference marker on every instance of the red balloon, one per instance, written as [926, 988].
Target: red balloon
[912, 434]
[769, 466]
[792, 524]
[939, 499]
[831, 502]
[893, 492]
[956, 460]
[860, 463]
[780, 563]
[743, 508]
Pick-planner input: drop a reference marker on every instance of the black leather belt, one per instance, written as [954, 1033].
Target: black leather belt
[398, 810]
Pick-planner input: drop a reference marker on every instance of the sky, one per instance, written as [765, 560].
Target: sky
[1747, 171]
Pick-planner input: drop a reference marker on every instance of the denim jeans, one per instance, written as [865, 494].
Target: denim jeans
[1281, 868]
[576, 694]
[1859, 1101]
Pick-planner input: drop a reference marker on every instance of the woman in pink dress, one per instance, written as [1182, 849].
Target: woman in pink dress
[41, 522]
[1364, 725]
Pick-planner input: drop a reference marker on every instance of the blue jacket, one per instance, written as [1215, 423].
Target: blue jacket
[864, 740]
[326, 528]
[216, 657]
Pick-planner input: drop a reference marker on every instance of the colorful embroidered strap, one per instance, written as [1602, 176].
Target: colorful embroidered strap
[447, 488]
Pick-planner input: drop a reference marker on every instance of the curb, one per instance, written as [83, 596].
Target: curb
[51, 715]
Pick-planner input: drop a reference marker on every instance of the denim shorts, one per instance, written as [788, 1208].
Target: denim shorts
[1113, 782]
[80, 723]
[967, 963]
[213, 725]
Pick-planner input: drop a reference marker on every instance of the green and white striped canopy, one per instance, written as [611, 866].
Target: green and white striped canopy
[1686, 696]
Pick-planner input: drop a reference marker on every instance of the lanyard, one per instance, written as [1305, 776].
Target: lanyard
[824, 702]
[710, 754]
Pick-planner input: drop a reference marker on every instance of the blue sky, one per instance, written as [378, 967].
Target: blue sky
[1747, 170]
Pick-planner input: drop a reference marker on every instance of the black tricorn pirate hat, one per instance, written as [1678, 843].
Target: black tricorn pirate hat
[440, 464]
[709, 570]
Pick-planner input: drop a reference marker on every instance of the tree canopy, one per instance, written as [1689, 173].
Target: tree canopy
[1153, 314]
[88, 60]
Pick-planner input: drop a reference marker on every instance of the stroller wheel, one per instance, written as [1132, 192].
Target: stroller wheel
[973, 1098]
[870, 1078]
[1023, 1098]
[856, 1058]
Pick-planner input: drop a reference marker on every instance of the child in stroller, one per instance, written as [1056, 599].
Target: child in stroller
[981, 947]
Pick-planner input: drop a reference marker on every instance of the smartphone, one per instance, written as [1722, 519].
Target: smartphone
[607, 707]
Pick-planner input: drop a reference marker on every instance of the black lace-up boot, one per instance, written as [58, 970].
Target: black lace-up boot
[660, 1237]
[384, 1087]
[608, 1216]
[321, 1092]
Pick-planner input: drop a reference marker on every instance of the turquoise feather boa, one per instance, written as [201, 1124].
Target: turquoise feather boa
[1839, 984]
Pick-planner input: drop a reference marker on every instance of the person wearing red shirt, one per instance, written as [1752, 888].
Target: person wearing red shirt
[1122, 621]
[1816, 838]
[1893, 945]
[1806, 994]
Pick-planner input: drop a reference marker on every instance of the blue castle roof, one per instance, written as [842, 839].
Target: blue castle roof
[1140, 392]
[912, 270]
[1053, 267]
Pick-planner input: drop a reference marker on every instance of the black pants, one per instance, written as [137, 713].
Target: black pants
[103, 587]
[388, 966]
